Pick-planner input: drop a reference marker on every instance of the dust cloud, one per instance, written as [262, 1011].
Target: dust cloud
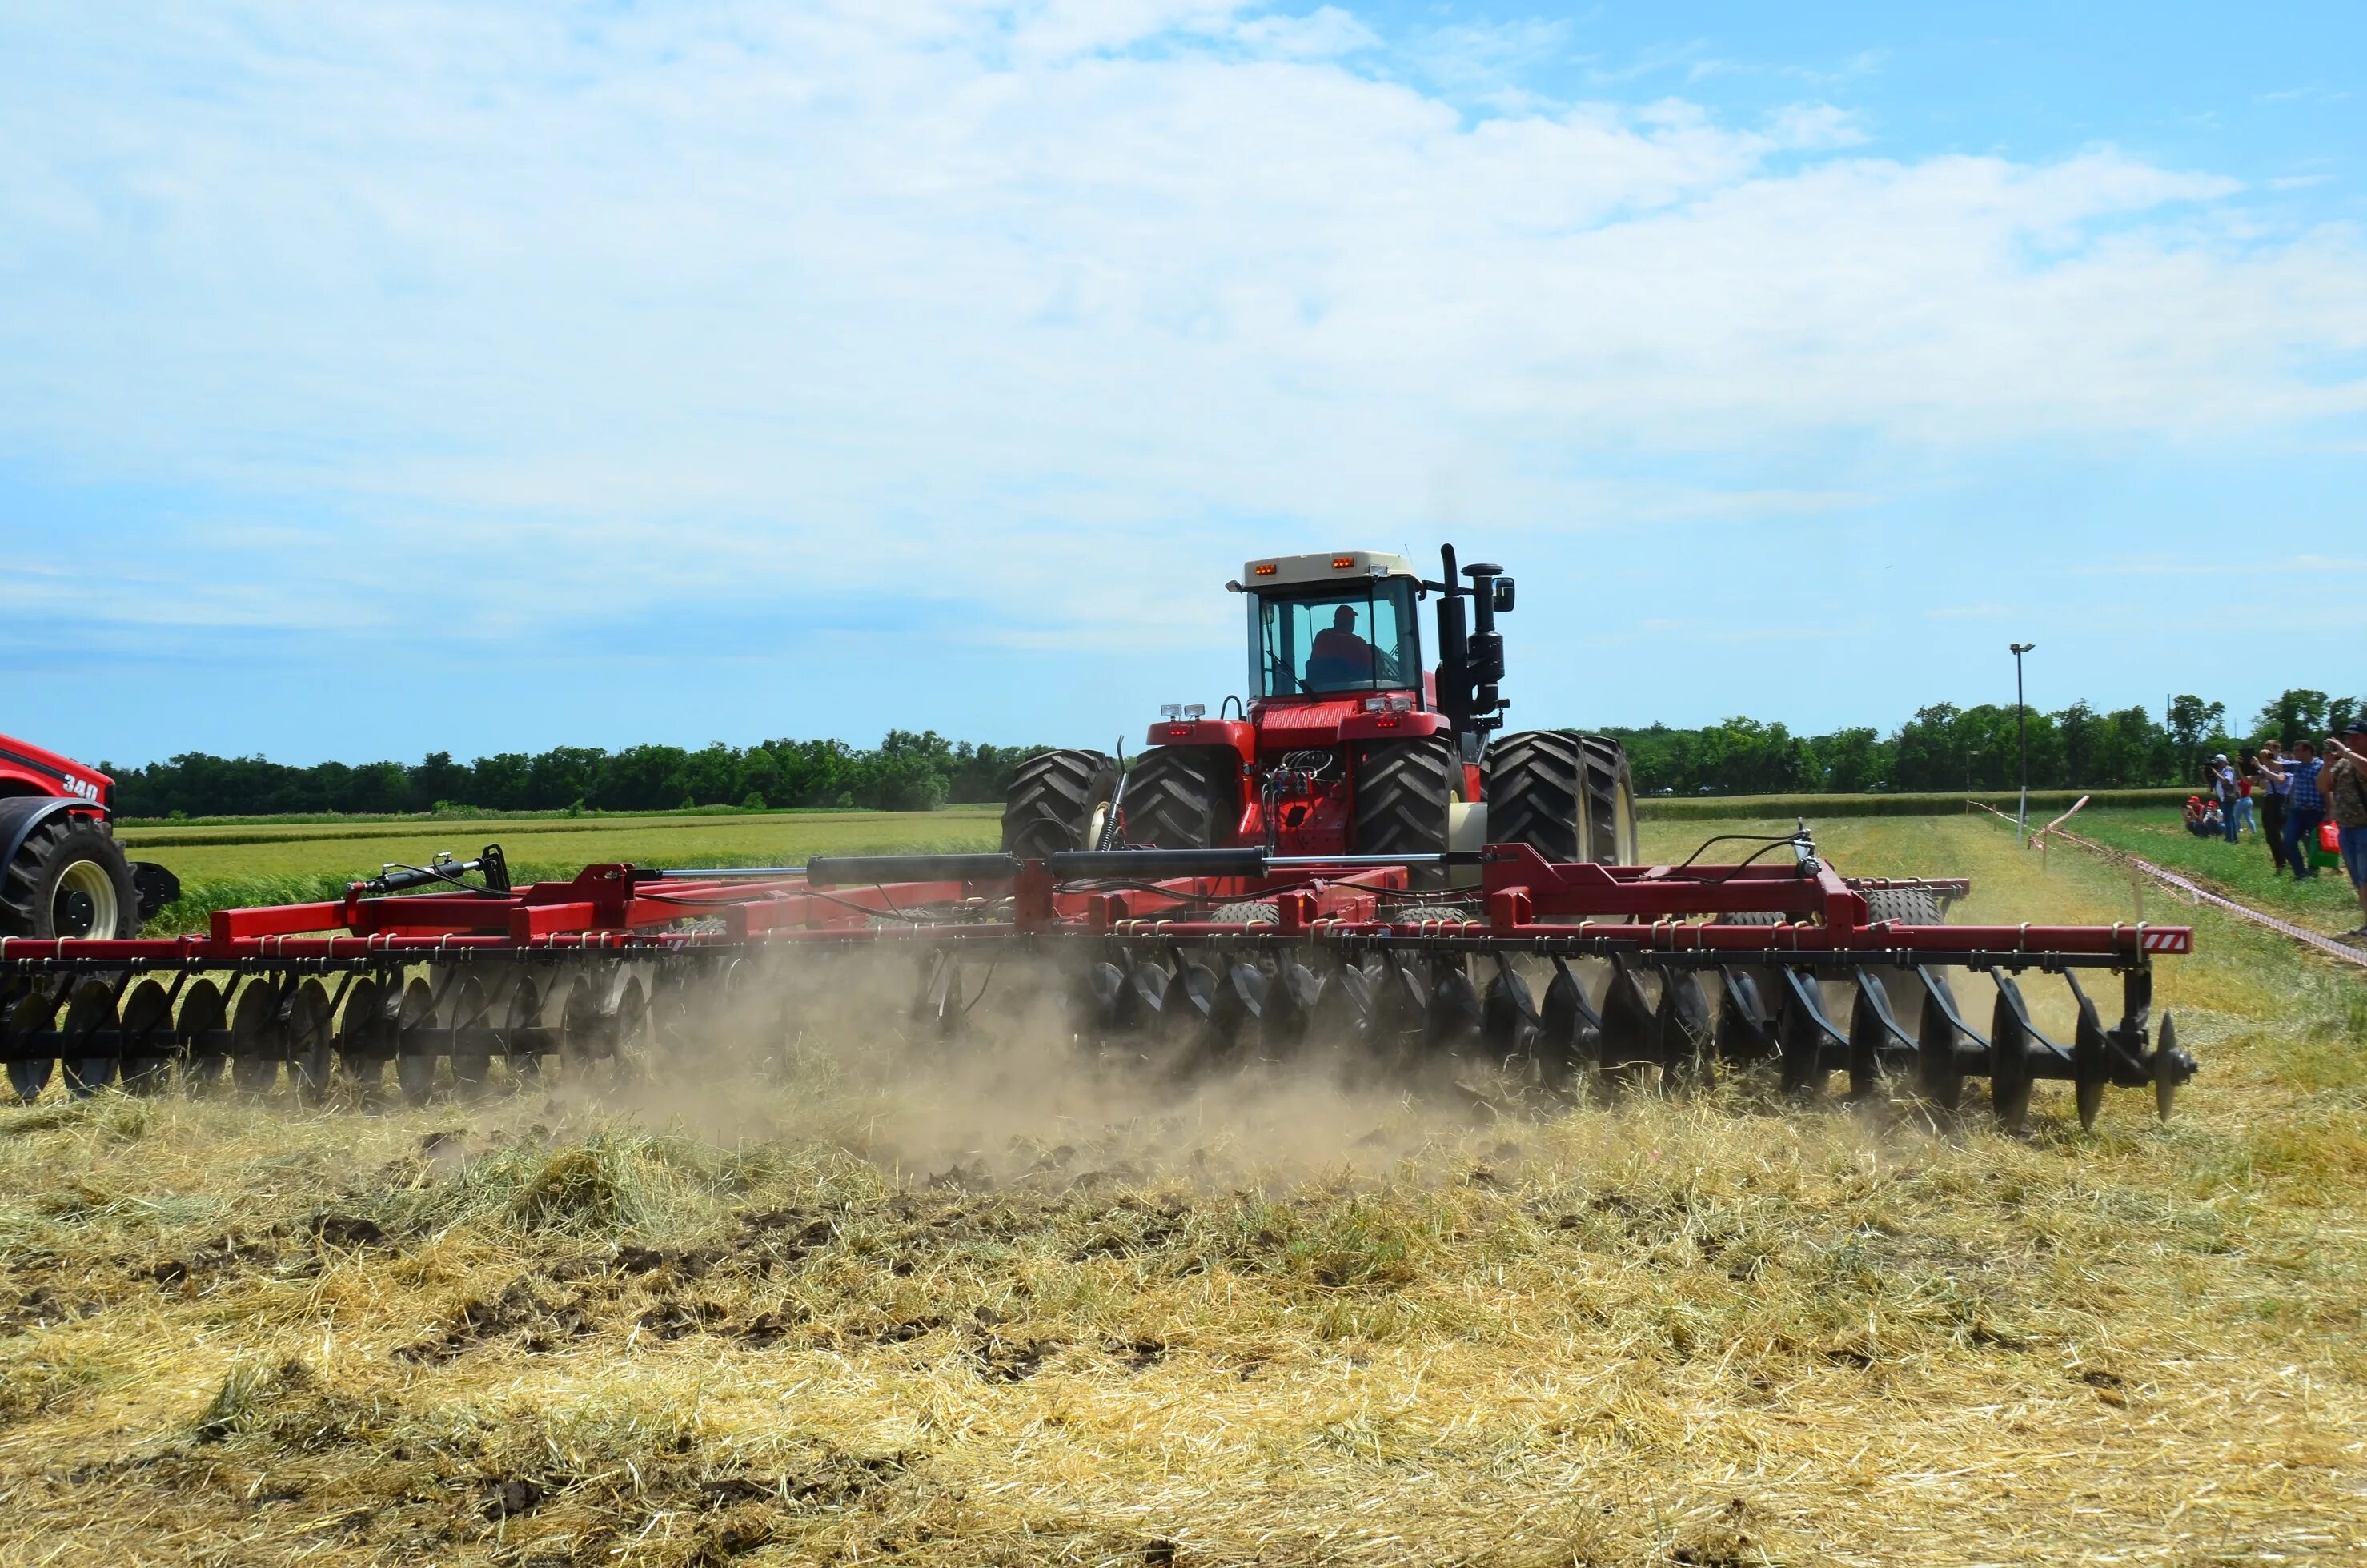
[836, 1058]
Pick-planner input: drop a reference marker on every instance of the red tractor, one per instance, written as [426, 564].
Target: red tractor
[61, 872]
[1347, 744]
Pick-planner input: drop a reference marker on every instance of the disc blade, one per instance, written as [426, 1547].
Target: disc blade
[1631, 1034]
[1745, 1025]
[1453, 1014]
[90, 1009]
[1508, 1016]
[2009, 1048]
[1683, 1022]
[2091, 1063]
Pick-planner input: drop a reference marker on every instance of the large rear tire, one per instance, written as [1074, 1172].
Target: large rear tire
[1182, 797]
[1568, 797]
[1056, 801]
[1534, 782]
[1402, 790]
[1611, 838]
[68, 879]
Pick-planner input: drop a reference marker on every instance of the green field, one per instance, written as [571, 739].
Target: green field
[200, 853]
[246, 864]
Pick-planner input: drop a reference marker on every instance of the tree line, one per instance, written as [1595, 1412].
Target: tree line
[1941, 748]
[1947, 748]
[906, 771]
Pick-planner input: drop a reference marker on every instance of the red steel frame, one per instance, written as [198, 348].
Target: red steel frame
[1528, 901]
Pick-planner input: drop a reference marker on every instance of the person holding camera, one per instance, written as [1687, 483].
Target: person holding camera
[2304, 805]
[2345, 788]
[2270, 789]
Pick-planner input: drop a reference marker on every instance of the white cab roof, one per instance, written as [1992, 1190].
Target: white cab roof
[1339, 566]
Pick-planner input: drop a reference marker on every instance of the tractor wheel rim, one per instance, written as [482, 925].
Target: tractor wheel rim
[84, 887]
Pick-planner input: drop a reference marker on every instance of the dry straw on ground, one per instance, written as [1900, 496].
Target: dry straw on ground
[962, 1312]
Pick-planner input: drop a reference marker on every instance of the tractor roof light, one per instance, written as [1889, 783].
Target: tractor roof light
[1195, 711]
[1170, 710]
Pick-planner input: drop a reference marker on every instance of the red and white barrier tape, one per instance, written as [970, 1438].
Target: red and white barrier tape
[2325, 944]
[2195, 895]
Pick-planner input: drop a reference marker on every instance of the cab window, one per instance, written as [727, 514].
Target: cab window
[1345, 638]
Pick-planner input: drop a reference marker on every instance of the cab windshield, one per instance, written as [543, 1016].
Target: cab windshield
[1344, 638]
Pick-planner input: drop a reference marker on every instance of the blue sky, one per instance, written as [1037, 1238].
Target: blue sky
[489, 378]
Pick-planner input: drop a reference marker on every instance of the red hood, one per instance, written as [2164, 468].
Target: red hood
[34, 770]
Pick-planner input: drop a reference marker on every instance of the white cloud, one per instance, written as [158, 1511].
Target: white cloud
[614, 306]
[1326, 33]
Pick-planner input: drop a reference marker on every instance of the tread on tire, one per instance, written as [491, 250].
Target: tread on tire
[29, 883]
[1402, 790]
[1182, 797]
[1052, 800]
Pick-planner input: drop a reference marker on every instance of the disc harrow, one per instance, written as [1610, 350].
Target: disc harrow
[1579, 978]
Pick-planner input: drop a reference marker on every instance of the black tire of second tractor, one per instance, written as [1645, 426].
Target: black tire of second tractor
[1568, 796]
[1051, 804]
[29, 885]
[1182, 797]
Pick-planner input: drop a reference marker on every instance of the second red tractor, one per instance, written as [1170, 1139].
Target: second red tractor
[1349, 742]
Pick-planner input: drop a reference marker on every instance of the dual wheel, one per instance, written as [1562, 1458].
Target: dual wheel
[1569, 797]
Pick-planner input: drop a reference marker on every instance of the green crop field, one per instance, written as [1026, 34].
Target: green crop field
[987, 1303]
[249, 863]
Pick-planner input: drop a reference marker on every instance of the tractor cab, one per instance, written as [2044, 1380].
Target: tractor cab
[1334, 628]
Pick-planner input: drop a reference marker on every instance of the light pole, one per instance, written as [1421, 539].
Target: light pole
[2022, 743]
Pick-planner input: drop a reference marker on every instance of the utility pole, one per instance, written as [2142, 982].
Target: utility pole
[2021, 741]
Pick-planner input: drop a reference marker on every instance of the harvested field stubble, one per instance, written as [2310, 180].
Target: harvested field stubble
[946, 1306]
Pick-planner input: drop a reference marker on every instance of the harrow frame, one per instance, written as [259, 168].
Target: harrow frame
[1214, 949]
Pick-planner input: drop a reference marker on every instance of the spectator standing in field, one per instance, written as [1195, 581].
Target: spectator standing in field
[2223, 793]
[2304, 806]
[2247, 763]
[2271, 790]
[2344, 785]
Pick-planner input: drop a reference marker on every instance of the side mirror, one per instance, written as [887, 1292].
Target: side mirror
[1504, 594]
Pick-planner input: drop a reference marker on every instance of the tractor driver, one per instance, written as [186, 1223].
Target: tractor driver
[1340, 658]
